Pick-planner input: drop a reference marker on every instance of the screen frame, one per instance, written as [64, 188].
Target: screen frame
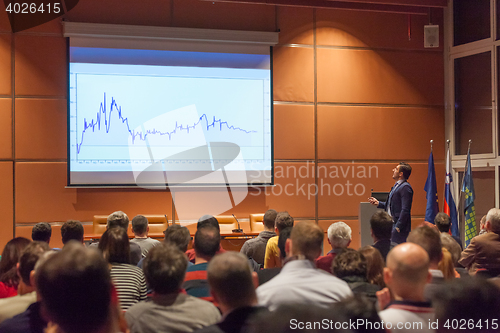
[158, 185]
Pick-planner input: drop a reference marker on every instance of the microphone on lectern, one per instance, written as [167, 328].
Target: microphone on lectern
[239, 228]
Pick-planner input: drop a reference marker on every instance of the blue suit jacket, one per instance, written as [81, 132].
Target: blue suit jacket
[401, 201]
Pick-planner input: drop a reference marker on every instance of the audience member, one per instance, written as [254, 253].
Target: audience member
[120, 219]
[42, 232]
[455, 251]
[256, 248]
[205, 220]
[471, 301]
[483, 252]
[288, 318]
[360, 310]
[72, 230]
[32, 320]
[381, 231]
[406, 275]
[232, 284]
[169, 310]
[430, 240]
[178, 236]
[140, 228]
[482, 225]
[339, 237]
[299, 281]
[206, 244]
[267, 274]
[76, 291]
[8, 266]
[272, 257]
[128, 279]
[351, 267]
[446, 265]
[375, 265]
[26, 295]
[442, 222]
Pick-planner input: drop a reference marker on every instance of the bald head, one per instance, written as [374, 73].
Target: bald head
[230, 279]
[409, 264]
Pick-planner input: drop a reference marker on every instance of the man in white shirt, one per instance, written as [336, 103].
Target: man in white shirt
[300, 281]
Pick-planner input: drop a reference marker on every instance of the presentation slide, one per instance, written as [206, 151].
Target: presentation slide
[148, 117]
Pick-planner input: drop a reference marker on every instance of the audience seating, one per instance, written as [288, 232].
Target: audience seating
[157, 224]
[256, 222]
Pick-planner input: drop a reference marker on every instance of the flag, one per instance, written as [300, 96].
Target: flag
[449, 204]
[469, 209]
[431, 189]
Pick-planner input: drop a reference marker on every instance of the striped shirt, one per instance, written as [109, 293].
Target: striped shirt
[195, 282]
[130, 284]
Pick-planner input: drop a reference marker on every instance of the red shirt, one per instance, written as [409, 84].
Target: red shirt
[7, 291]
[325, 262]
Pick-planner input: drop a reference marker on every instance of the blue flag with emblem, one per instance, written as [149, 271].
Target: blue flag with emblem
[431, 189]
[469, 209]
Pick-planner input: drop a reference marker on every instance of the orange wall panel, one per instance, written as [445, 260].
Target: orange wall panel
[220, 15]
[293, 131]
[40, 65]
[4, 19]
[151, 12]
[41, 196]
[340, 192]
[295, 25]
[364, 29]
[41, 129]
[293, 74]
[5, 128]
[7, 206]
[365, 132]
[386, 77]
[5, 64]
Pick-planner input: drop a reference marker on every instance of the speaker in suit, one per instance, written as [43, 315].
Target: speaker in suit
[399, 202]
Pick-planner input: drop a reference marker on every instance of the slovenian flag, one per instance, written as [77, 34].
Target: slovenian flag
[449, 204]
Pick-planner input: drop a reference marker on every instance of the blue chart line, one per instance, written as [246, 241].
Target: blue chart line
[103, 114]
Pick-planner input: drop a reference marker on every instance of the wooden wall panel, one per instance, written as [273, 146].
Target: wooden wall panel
[7, 206]
[40, 65]
[294, 190]
[295, 25]
[5, 64]
[376, 133]
[5, 128]
[152, 12]
[4, 19]
[385, 77]
[41, 196]
[364, 29]
[54, 26]
[41, 128]
[293, 132]
[341, 192]
[293, 74]
[220, 15]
